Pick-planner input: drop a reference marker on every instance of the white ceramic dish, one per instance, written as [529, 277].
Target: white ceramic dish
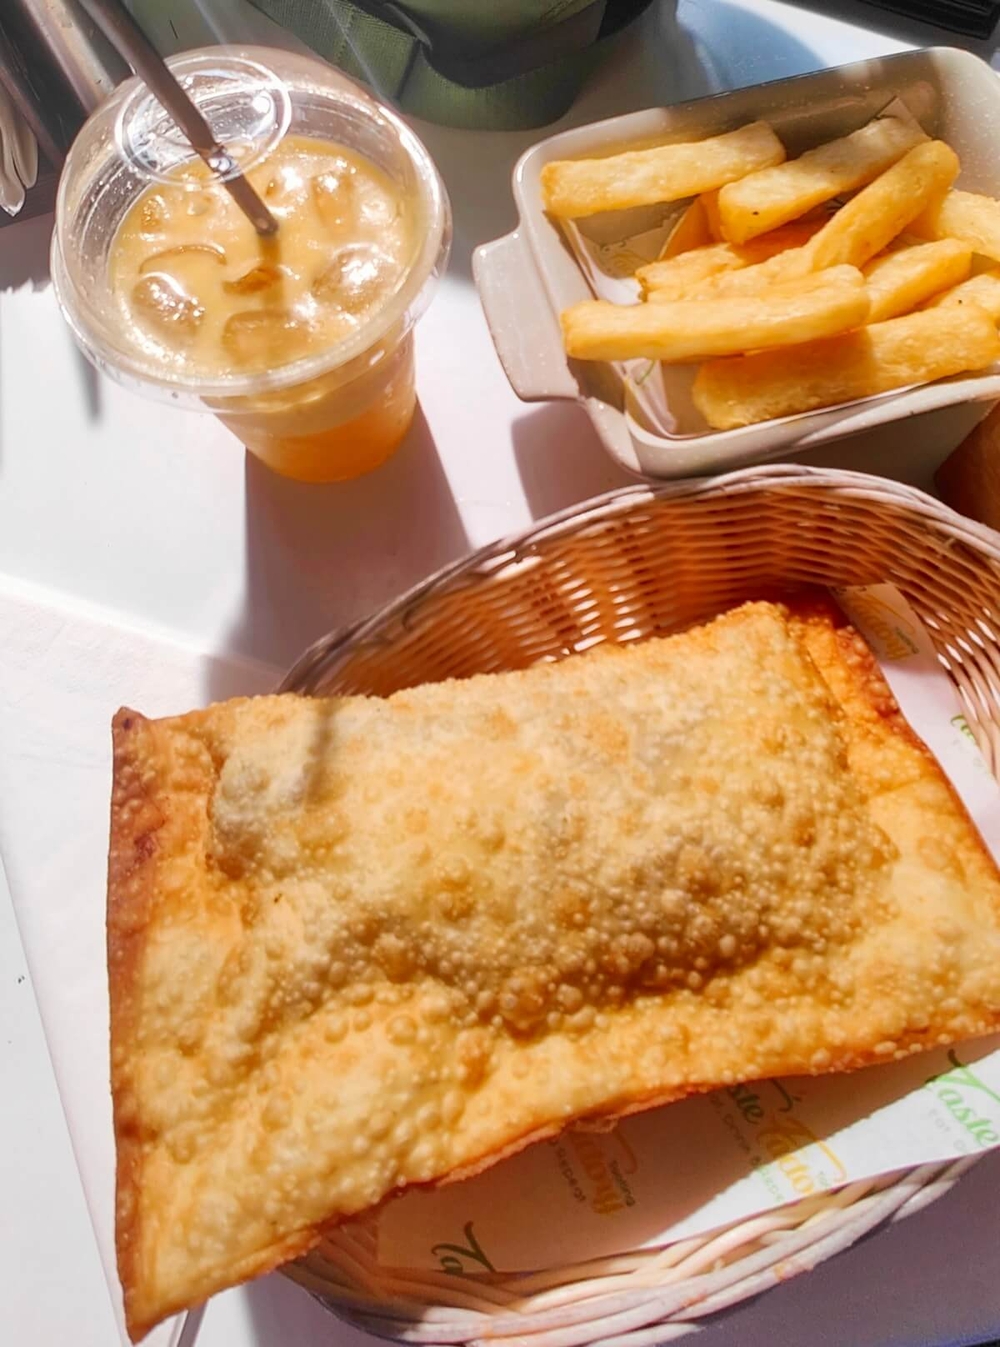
[527, 277]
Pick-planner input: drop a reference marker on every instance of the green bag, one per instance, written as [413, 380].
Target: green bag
[479, 64]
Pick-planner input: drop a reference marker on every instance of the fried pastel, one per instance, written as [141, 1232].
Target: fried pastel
[356, 944]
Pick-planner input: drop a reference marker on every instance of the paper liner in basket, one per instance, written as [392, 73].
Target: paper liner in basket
[686, 1169]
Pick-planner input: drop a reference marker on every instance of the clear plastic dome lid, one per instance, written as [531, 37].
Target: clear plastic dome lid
[251, 98]
[246, 105]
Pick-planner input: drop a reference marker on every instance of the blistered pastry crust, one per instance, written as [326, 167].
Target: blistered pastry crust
[360, 944]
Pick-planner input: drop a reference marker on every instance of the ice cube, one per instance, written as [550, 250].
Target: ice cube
[286, 190]
[265, 337]
[153, 213]
[333, 196]
[378, 210]
[160, 304]
[167, 259]
[357, 277]
[258, 278]
[200, 203]
[189, 272]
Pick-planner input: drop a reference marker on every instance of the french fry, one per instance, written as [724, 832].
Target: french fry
[882, 210]
[983, 290]
[917, 348]
[773, 196]
[786, 266]
[573, 188]
[677, 274]
[710, 205]
[690, 232]
[689, 268]
[902, 280]
[814, 306]
[967, 216]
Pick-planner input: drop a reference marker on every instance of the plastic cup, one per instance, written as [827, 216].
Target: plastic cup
[334, 412]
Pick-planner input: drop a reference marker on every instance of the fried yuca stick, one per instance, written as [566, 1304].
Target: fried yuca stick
[883, 209]
[687, 330]
[967, 216]
[689, 268]
[572, 188]
[679, 273]
[917, 348]
[773, 196]
[983, 290]
[900, 281]
[784, 268]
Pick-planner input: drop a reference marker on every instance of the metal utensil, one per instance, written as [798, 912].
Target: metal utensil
[68, 40]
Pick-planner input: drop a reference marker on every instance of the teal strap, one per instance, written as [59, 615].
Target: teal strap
[522, 83]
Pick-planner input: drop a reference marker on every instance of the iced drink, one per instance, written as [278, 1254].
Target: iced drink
[300, 342]
[208, 295]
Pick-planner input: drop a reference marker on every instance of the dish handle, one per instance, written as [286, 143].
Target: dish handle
[524, 329]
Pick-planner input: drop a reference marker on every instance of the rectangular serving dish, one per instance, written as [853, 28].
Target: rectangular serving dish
[527, 277]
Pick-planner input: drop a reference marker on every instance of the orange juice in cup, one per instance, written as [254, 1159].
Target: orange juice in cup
[301, 342]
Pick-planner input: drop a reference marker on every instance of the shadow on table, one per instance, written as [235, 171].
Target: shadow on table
[24, 260]
[24, 254]
[560, 459]
[282, 1313]
[321, 556]
[90, 382]
[653, 62]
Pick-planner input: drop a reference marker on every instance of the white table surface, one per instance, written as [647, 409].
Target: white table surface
[157, 516]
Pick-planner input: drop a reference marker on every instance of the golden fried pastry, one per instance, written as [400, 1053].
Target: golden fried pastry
[357, 944]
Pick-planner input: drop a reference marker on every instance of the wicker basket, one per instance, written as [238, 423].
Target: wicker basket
[637, 563]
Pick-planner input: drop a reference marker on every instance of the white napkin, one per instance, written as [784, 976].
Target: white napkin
[18, 155]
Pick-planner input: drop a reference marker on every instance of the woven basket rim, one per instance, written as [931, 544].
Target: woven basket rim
[348, 1281]
[510, 548]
